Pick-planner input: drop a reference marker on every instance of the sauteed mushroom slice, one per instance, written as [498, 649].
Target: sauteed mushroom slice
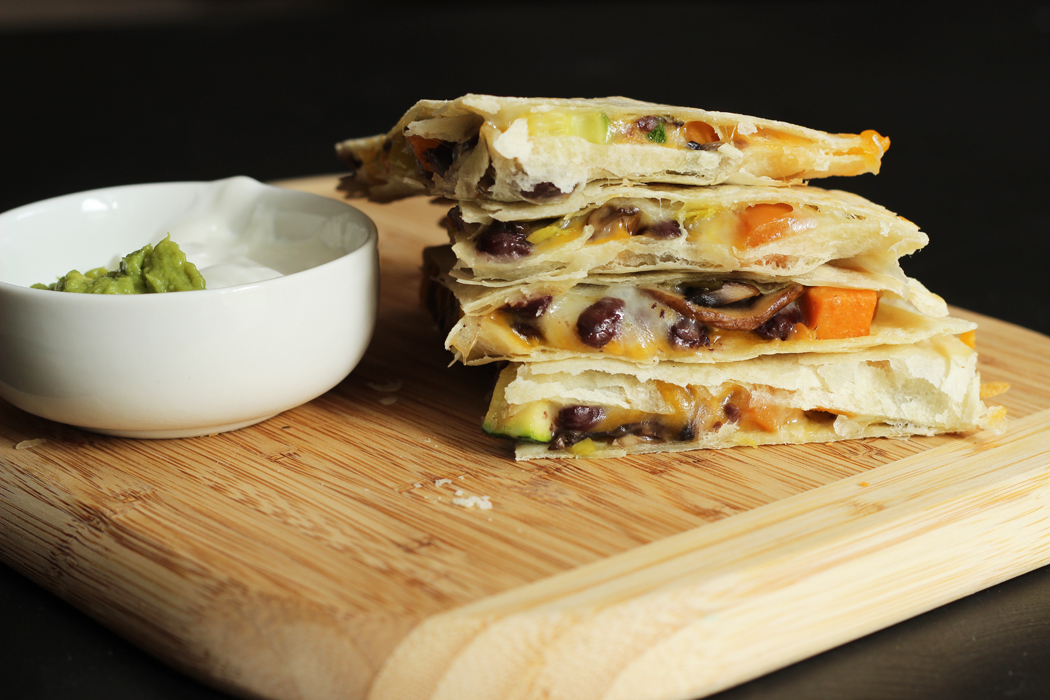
[740, 316]
[728, 292]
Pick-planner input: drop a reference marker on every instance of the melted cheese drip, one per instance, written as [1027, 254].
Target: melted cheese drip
[644, 332]
[726, 233]
[692, 411]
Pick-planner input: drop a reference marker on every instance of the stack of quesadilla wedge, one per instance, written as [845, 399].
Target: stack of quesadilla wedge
[657, 278]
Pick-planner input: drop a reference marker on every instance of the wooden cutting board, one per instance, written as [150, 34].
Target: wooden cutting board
[330, 552]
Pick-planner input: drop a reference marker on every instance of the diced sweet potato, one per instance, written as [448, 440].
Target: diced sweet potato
[765, 417]
[837, 312]
[762, 223]
[420, 146]
[699, 132]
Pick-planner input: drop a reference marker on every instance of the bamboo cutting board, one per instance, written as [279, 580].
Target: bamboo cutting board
[333, 551]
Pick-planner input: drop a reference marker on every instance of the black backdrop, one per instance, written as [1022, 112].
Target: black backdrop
[227, 90]
[962, 94]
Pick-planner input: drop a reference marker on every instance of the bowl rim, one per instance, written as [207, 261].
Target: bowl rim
[368, 242]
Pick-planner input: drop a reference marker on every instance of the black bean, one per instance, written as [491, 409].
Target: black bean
[562, 441]
[688, 433]
[465, 146]
[455, 217]
[579, 418]
[777, 327]
[610, 213]
[662, 229]
[486, 181]
[439, 158]
[531, 309]
[732, 412]
[781, 324]
[648, 430]
[689, 333]
[649, 123]
[528, 331]
[709, 146]
[504, 240]
[600, 322]
[542, 191]
[520, 228]
[607, 218]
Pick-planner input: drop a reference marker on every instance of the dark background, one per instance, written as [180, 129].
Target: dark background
[97, 94]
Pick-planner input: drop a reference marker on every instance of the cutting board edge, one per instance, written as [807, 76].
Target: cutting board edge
[508, 637]
[68, 588]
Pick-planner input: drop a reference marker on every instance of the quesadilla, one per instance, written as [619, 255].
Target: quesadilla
[607, 408]
[683, 317]
[624, 229]
[507, 149]
[658, 278]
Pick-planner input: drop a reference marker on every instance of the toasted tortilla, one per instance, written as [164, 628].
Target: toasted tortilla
[536, 150]
[926, 388]
[482, 327]
[822, 227]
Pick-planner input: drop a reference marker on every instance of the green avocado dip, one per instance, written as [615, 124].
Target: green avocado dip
[163, 268]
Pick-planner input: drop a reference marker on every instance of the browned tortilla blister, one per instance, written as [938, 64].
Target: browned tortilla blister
[496, 155]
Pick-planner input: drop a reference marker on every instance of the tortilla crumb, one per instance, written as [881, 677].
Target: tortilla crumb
[29, 444]
[990, 389]
[479, 502]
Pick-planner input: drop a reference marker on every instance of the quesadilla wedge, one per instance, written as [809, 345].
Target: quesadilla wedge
[541, 150]
[726, 228]
[583, 408]
[683, 317]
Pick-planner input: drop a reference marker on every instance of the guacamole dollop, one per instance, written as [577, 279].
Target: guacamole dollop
[160, 268]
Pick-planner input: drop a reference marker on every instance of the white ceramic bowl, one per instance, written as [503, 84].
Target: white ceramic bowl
[184, 363]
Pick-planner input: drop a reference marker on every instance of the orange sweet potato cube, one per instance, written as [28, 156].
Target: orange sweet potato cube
[837, 312]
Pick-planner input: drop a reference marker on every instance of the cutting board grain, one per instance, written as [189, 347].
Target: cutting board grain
[324, 554]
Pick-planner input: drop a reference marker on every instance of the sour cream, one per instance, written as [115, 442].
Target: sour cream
[223, 267]
[236, 237]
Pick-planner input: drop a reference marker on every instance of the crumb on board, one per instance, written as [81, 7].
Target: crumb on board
[30, 444]
[386, 387]
[479, 502]
[990, 389]
[442, 482]
[417, 485]
[387, 400]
